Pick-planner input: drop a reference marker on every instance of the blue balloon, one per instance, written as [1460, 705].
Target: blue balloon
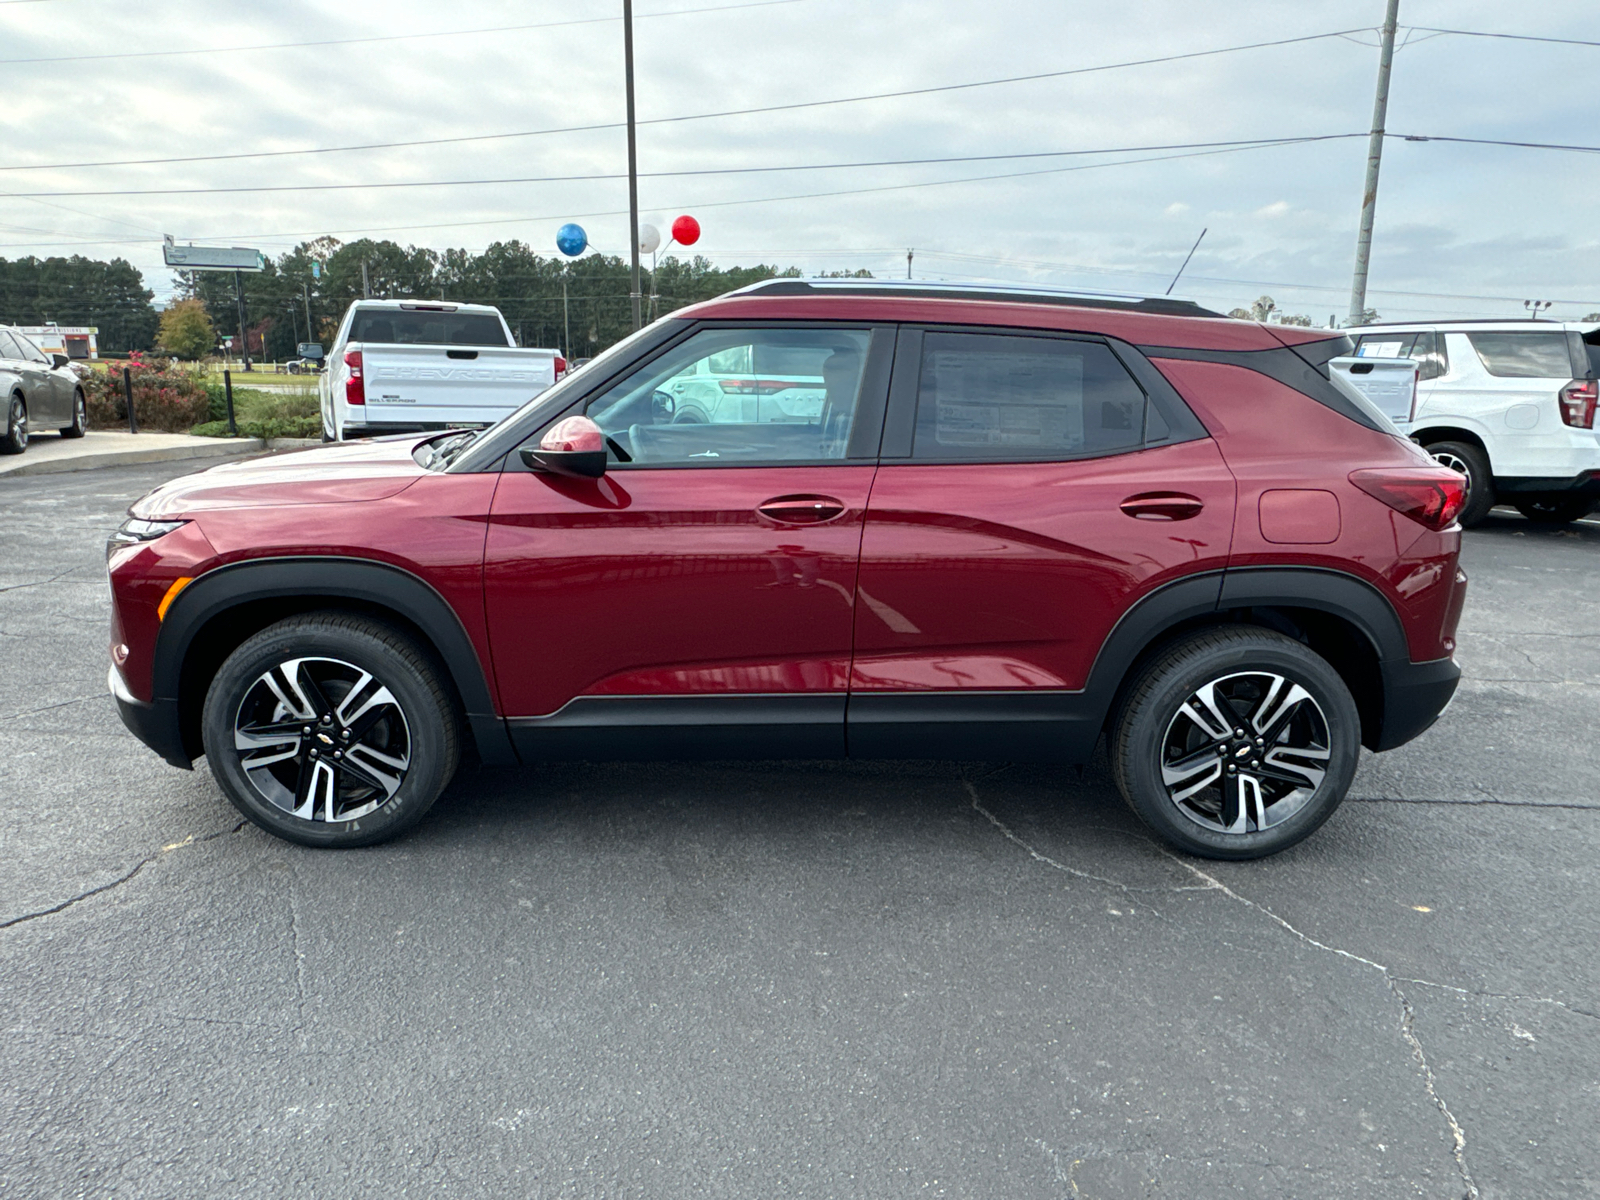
[571, 240]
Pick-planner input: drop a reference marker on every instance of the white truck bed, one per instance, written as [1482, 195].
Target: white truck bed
[450, 385]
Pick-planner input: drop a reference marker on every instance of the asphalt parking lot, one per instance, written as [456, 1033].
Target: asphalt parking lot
[790, 979]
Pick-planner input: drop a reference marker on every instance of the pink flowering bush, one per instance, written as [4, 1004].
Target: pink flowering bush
[164, 400]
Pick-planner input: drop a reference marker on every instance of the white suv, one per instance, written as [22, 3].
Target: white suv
[1509, 404]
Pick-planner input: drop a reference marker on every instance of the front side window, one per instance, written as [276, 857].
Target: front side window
[731, 396]
[1519, 355]
[988, 397]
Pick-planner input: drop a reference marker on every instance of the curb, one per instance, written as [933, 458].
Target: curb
[224, 448]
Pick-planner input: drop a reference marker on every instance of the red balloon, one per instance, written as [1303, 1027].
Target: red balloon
[686, 231]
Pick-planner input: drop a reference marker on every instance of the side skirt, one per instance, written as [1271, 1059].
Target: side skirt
[977, 726]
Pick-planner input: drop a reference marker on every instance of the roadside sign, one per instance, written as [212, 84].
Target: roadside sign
[316, 270]
[310, 349]
[227, 343]
[212, 258]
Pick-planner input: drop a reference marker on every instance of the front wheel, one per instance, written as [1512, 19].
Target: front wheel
[330, 730]
[15, 438]
[1556, 510]
[80, 417]
[1236, 743]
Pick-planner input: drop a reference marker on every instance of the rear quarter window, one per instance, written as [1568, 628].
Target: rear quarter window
[1523, 355]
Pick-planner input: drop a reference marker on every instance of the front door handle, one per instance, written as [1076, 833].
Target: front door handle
[1163, 506]
[801, 510]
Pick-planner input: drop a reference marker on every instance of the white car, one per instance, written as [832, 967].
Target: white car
[403, 366]
[1509, 404]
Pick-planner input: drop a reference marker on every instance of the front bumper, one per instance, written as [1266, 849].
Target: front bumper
[1414, 696]
[156, 725]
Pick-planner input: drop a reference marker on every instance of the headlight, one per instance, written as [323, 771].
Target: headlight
[134, 531]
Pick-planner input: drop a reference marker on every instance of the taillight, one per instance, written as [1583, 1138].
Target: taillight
[1578, 403]
[1431, 496]
[753, 387]
[355, 388]
[561, 366]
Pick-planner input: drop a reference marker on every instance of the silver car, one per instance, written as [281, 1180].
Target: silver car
[41, 391]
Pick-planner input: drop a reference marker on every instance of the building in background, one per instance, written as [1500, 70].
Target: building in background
[75, 341]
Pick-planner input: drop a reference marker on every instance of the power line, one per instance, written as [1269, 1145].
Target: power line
[1515, 37]
[1434, 137]
[736, 112]
[392, 37]
[1246, 143]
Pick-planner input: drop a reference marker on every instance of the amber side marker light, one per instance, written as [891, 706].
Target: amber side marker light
[178, 585]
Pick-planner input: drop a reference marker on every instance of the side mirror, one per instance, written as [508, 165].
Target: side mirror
[573, 446]
[59, 360]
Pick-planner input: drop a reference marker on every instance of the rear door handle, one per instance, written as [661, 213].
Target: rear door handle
[1163, 506]
[801, 510]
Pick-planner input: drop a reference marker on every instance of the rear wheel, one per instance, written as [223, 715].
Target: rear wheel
[1236, 743]
[1557, 509]
[15, 438]
[80, 417]
[330, 730]
[1470, 461]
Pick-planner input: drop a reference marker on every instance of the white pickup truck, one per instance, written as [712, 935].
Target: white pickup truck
[403, 366]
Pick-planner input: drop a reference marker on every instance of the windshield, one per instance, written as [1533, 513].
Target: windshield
[412, 327]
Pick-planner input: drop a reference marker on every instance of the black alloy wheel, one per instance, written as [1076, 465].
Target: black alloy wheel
[330, 730]
[15, 439]
[80, 416]
[1236, 742]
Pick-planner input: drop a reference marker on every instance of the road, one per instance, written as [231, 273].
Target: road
[832, 980]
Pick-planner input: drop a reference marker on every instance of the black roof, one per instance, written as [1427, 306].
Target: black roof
[921, 289]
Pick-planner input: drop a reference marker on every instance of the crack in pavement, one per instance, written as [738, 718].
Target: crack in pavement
[1210, 882]
[1492, 802]
[60, 704]
[1005, 831]
[1408, 1015]
[17, 587]
[120, 880]
[299, 962]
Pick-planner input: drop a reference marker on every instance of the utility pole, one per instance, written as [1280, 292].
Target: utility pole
[908, 263]
[366, 288]
[566, 320]
[1369, 197]
[633, 160]
[311, 330]
[244, 338]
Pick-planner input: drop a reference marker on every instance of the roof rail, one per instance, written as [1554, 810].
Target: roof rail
[927, 289]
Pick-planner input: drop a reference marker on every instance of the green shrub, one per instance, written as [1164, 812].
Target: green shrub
[264, 427]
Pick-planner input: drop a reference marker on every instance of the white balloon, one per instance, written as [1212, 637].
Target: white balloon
[649, 239]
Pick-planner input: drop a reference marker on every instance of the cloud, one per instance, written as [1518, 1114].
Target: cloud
[1282, 217]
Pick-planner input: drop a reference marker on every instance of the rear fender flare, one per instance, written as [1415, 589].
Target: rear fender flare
[1333, 592]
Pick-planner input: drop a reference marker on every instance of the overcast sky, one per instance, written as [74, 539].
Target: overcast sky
[1462, 230]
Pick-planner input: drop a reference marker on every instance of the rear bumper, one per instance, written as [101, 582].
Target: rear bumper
[384, 428]
[156, 725]
[1585, 483]
[1414, 696]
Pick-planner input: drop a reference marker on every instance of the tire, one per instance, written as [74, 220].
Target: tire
[1163, 759]
[1556, 509]
[331, 674]
[1474, 464]
[80, 416]
[15, 438]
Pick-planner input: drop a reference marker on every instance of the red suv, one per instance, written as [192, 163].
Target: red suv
[920, 522]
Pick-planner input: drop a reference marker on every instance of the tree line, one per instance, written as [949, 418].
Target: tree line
[579, 306]
[80, 291]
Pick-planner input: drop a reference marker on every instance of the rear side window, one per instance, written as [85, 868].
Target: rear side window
[404, 327]
[1519, 355]
[999, 398]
